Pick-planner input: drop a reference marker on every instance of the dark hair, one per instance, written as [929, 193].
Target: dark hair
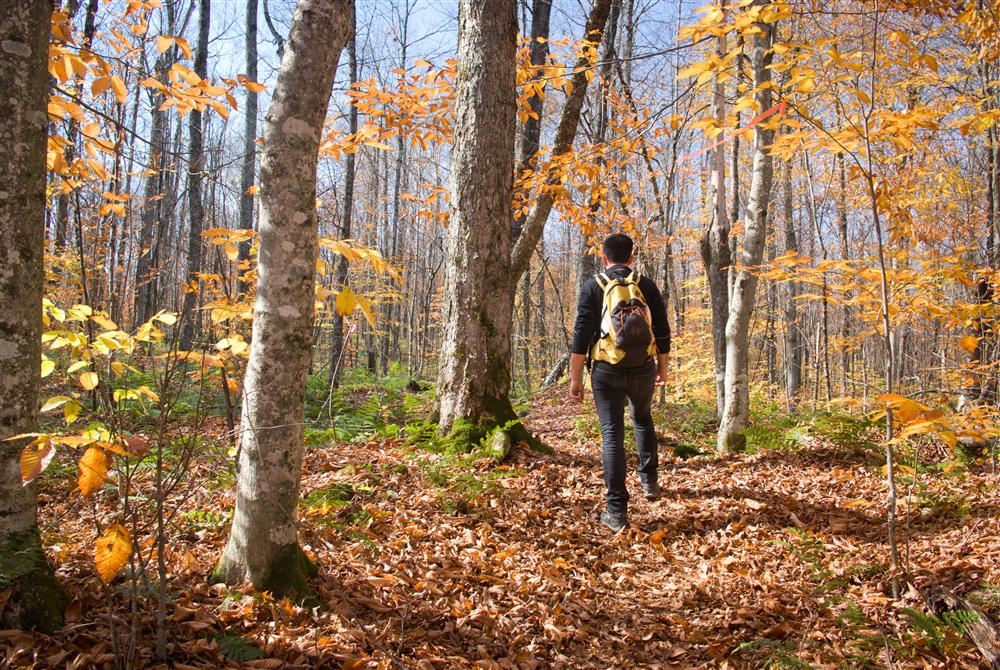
[618, 248]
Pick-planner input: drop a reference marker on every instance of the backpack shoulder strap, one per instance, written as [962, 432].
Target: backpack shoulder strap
[634, 277]
[602, 280]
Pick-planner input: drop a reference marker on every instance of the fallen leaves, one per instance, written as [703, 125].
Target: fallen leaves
[523, 576]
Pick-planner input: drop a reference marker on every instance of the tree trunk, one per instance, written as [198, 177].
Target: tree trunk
[474, 380]
[36, 599]
[247, 200]
[534, 226]
[737, 382]
[151, 229]
[350, 168]
[793, 332]
[715, 252]
[263, 545]
[483, 263]
[845, 254]
[531, 132]
[196, 206]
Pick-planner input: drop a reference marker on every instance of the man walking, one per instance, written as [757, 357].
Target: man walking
[622, 331]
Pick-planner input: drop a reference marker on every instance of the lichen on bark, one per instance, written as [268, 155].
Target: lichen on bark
[36, 599]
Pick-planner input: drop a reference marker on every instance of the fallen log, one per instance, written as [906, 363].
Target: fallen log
[557, 371]
[978, 628]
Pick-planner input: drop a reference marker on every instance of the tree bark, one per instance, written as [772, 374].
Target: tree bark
[196, 206]
[151, 229]
[263, 545]
[741, 304]
[715, 253]
[793, 333]
[531, 132]
[247, 200]
[350, 168]
[474, 380]
[37, 599]
[534, 226]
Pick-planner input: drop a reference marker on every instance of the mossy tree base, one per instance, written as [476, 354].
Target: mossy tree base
[732, 443]
[285, 574]
[37, 600]
[466, 434]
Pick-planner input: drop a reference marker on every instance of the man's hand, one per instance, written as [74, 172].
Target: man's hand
[576, 362]
[662, 369]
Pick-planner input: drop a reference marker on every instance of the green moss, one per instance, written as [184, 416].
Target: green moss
[486, 324]
[733, 443]
[288, 575]
[37, 599]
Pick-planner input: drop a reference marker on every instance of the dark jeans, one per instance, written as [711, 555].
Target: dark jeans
[612, 387]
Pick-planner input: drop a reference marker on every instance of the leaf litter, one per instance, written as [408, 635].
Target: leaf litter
[754, 560]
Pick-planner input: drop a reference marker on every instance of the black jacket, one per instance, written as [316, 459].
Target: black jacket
[588, 312]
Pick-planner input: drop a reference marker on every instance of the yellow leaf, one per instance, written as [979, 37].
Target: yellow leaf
[253, 190]
[254, 87]
[658, 537]
[35, 458]
[89, 380]
[72, 411]
[164, 42]
[93, 470]
[346, 302]
[54, 402]
[48, 365]
[969, 343]
[114, 548]
[366, 307]
[118, 87]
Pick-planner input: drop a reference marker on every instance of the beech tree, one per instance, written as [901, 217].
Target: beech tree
[37, 599]
[263, 545]
[476, 352]
[744, 291]
[484, 260]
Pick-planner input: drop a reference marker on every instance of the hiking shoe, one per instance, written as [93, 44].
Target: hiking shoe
[652, 491]
[615, 523]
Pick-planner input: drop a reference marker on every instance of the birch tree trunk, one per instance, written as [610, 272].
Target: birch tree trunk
[741, 304]
[36, 598]
[263, 546]
[474, 380]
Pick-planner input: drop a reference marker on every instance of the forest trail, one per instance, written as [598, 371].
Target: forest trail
[741, 549]
[435, 561]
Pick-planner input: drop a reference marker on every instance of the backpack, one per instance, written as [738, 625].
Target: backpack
[626, 336]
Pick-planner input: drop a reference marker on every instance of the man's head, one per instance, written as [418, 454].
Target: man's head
[618, 250]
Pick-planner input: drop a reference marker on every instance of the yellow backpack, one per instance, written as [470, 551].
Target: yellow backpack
[626, 336]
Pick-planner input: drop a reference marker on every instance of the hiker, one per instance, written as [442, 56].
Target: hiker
[623, 336]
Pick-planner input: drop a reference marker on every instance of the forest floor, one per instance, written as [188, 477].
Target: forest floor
[776, 558]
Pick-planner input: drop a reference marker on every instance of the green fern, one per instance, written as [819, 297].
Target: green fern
[237, 648]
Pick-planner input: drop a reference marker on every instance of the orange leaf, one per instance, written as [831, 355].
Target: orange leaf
[113, 550]
[93, 470]
[969, 343]
[35, 458]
